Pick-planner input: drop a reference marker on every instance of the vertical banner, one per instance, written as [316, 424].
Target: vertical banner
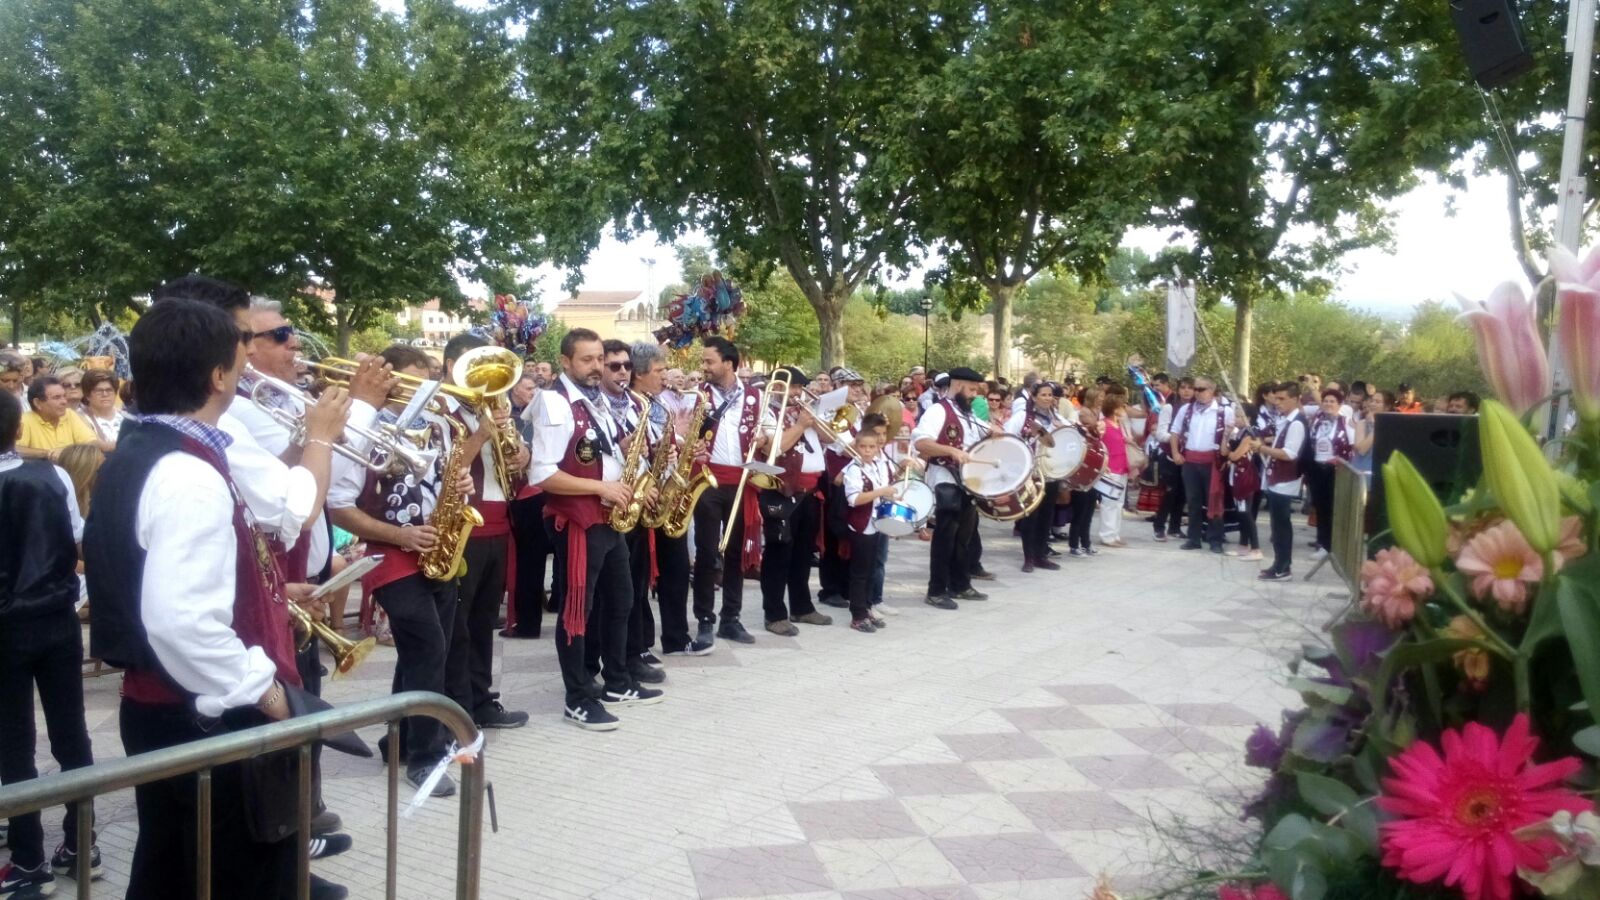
[1180, 324]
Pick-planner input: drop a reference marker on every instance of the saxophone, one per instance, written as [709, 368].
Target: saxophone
[452, 516]
[625, 518]
[675, 507]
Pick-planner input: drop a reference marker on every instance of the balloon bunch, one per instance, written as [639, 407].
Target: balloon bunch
[104, 348]
[514, 324]
[712, 308]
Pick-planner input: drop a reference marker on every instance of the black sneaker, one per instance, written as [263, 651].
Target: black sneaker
[637, 695]
[647, 674]
[649, 659]
[17, 883]
[1078, 551]
[1216, 548]
[695, 648]
[971, 594]
[1272, 575]
[323, 889]
[864, 626]
[1191, 545]
[446, 786]
[330, 845]
[733, 630]
[65, 862]
[705, 634]
[590, 715]
[1161, 536]
[982, 574]
[940, 601]
[834, 600]
[496, 716]
[5, 834]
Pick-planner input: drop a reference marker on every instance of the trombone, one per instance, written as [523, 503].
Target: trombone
[778, 388]
[347, 654]
[394, 448]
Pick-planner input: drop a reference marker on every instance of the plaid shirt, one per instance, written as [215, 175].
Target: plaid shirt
[209, 436]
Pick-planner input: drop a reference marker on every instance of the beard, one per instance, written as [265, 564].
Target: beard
[962, 402]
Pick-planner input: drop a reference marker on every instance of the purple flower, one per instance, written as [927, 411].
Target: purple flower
[1263, 750]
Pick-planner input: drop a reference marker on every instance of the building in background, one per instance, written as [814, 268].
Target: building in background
[626, 315]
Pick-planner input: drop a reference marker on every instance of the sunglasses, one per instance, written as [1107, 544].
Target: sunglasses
[620, 366]
[72, 385]
[279, 335]
[1204, 390]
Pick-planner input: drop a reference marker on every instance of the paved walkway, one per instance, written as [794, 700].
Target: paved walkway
[1015, 748]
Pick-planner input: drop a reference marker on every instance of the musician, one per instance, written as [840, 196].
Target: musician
[943, 436]
[1169, 516]
[530, 544]
[1033, 424]
[634, 419]
[833, 573]
[393, 513]
[469, 670]
[1283, 474]
[1198, 432]
[791, 516]
[187, 599]
[577, 462]
[666, 558]
[737, 422]
[40, 644]
[867, 480]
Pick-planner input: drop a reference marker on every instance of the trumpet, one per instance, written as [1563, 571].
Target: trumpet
[394, 449]
[778, 388]
[347, 654]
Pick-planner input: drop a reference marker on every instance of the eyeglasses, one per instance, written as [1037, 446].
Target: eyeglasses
[620, 366]
[72, 385]
[1204, 390]
[104, 389]
[279, 335]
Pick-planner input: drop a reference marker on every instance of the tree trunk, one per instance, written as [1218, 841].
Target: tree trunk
[1243, 323]
[16, 323]
[830, 320]
[341, 319]
[1001, 293]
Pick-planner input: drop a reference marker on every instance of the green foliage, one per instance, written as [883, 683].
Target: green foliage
[1055, 321]
[779, 327]
[883, 346]
[371, 340]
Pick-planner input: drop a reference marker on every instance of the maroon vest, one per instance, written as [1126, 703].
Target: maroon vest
[1342, 445]
[953, 434]
[859, 516]
[1280, 471]
[1188, 415]
[586, 509]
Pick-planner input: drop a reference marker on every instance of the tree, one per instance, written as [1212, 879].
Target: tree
[1034, 147]
[1054, 317]
[778, 325]
[757, 122]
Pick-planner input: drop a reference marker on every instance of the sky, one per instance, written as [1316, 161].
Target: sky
[1441, 248]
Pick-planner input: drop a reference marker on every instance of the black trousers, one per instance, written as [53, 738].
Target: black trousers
[164, 857]
[422, 616]
[641, 621]
[1248, 535]
[533, 554]
[950, 553]
[1279, 507]
[1081, 529]
[1169, 516]
[1319, 481]
[863, 571]
[672, 590]
[469, 669]
[607, 599]
[1197, 490]
[1035, 526]
[833, 575]
[46, 651]
[711, 515]
[786, 560]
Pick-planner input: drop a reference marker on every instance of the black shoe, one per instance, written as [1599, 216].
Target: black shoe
[940, 601]
[1079, 552]
[864, 626]
[834, 600]
[695, 648]
[1058, 536]
[25, 884]
[590, 715]
[703, 635]
[1046, 564]
[517, 634]
[550, 605]
[1161, 535]
[496, 716]
[5, 834]
[65, 862]
[446, 787]
[647, 674]
[330, 845]
[323, 889]
[1051, 551]
[971, 594]
[1191, 545]
[733, 630]
[1271, 575]
[328, 821]
[649, 659]
[1027, 565]
[982, 574]
[1216, 548]
[635, 695]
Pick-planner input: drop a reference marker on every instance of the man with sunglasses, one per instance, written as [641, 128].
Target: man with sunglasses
[1196, 444]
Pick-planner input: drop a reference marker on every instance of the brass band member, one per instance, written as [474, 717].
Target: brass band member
[791, 516]
[633, 417]
[1033, 424]
[833, 575]
[942, 437]
[577, 462]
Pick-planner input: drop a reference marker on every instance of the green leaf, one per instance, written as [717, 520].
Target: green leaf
[1580, 619]
[1338, 800]
[1408, 655]
[1588, 740]
[1315, 691]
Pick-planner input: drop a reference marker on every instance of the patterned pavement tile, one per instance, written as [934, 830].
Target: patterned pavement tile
[972, 747]
[1178, 739]
[1048, 889]
[1008, 857]
[1197, 640]
[854, 819]
[1075, 810]
[1091, 694]
[758, 871]
[1133, 715]
[914, 780]
[892, 863]
[1009, 775]
[1088, 742]
[1128, 772]
[1046, 718]
[963, 814]
[1211, 714]
[932, 892]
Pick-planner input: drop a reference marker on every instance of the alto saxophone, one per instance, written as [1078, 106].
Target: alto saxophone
[453, 518]
[675, 507]
[625, 518]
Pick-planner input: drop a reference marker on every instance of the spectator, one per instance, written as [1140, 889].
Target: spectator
[50, 427]
[999, 408]
[13, 376]
[1116, 434]
[1462, 403]
[1366, 432]
[1331, 442]
[1244, 480]
[1405, 400]
[100, 404]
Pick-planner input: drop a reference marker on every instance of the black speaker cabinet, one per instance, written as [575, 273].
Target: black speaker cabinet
[1443, 448]
[1491, 39]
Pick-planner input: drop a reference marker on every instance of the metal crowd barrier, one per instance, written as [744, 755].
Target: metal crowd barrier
[1349, 549]
[81, 786]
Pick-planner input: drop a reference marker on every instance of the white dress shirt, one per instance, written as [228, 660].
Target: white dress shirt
[491, 490]
[1202, 427]
[1294, 437]
[855, 477]
[553, 425]
[725, 444]
[279, 496]
[931, 425]
[1164, 423]
[185, 526]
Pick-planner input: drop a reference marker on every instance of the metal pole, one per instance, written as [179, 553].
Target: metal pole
[1574, 188]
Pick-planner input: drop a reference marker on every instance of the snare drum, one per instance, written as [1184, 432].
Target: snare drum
[1094, 462]
[1062, 452]
[1002, 479]
[892, 517]
[915, 498]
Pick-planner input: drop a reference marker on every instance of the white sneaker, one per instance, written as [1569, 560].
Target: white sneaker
[1319, 554]
[884, 609]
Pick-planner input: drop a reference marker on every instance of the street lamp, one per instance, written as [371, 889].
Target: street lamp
[927, 307]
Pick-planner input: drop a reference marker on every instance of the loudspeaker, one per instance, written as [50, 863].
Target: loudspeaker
[1443, 448]
[1491, 39]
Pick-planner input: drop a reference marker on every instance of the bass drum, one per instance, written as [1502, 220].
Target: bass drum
[1062, 452]
[912, 504]
[1094, 462]
[1002, 479]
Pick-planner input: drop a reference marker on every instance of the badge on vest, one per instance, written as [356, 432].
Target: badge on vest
[586, 452]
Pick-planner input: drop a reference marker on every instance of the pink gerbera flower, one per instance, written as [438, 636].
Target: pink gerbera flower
[1392, 584]
[1457, 815]
[1502, 564]
[1265, 891]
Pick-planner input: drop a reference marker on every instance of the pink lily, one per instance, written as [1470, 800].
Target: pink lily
[1509, 349]
[1578, 303]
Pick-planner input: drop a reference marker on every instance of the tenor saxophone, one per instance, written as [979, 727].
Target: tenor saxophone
[624, 518]
[675, 506]
[453, 518]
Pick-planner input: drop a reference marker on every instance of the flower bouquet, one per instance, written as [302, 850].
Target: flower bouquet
[1448, 743]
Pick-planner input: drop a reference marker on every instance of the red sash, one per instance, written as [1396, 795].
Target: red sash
[750, 507]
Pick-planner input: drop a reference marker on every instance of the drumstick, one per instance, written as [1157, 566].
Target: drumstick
[981, 462]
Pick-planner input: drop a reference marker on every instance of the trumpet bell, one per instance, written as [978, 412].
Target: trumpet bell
[350, 655]
[492, 370]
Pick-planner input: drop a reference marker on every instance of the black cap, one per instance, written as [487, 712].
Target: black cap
[797, 377]
[962, 373]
